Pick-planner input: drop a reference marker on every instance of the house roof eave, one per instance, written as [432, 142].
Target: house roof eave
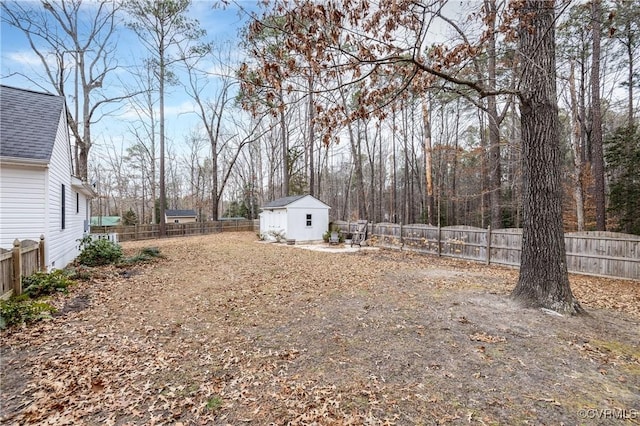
[83, 187]
[24, 162]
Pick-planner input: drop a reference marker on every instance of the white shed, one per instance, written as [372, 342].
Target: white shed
[303, 218]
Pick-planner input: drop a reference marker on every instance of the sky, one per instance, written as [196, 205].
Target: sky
[18, 59]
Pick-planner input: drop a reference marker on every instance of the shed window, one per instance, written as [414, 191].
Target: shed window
[308, 220]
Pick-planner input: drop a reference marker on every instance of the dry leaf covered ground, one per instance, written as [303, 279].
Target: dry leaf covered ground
[229, 330]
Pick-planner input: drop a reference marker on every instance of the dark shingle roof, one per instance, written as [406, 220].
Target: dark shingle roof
[180, 213]
[29, 123]
[284, 201]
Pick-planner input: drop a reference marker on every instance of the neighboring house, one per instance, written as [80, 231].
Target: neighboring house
[105, 221]
[180, 216]
[39, 194]
[303, 218]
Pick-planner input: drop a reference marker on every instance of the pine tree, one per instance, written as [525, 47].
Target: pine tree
[622, 152]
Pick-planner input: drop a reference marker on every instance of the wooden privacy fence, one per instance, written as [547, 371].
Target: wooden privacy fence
[608, 254]
[24, 259]
[147, 232]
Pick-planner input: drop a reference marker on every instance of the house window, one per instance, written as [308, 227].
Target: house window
[77, 203]
[62, 204]
[176, 220]
[308, 220]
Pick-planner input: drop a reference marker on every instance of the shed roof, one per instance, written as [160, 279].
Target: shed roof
[284, 201]
[105, 220]
[28, 123]
[180, 213]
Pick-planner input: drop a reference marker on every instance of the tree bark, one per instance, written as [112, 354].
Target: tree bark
[162, 230]
[576, 140]
[285, 147]
[596, 118]
[631, 72]
[543, 280]
[428, 162]
[494, 157]
[312, 180]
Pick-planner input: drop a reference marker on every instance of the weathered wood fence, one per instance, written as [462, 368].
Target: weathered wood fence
[24, 259]
[608, 254]
[147, 232]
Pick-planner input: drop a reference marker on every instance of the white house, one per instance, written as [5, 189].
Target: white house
[39, 194]
[300, 217]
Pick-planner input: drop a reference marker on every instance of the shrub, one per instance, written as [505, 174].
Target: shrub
[278, 235]
[21, 309]
[43, 284]
[145, 255]
[98, 252]
[79, 272]
[214, 403]
[327, 234]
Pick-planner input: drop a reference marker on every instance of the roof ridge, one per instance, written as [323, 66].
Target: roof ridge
[31, 91]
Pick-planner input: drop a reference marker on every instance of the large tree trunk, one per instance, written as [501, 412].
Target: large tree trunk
[284, 143]
[576, 143]
[312, 180]
[543, 280]
[630, 59]
[454, 168]
[596, 118]
[428, 163]
[494, 157]
[162, 229]
[356, 154]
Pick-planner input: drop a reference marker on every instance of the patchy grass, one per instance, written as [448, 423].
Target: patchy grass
[229, 330]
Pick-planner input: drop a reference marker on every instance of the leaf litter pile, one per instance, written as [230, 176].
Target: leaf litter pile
[229, 330]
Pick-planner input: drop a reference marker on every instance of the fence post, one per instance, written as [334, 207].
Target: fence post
[439, 239]
[43, 266]
[17, 268]
[401, 239]
[488, 244]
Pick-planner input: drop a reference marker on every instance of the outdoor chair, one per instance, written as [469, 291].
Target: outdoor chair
[334, 238]
[360, 233]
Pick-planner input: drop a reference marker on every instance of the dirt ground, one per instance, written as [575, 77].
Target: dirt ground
[230, 330]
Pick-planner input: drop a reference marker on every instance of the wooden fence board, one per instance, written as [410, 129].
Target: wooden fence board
[606, 254]
[30, 258]
[152, 231]
[6, 271]
[30, 261]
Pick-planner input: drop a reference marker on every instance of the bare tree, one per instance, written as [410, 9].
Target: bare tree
[144, 131]
[596, 116]
[168, 35]
[75, 43]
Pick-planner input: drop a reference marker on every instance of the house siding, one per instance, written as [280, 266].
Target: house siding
[35, 163]
[22, 191]
[273, 221]
[297, 218]
[62, 244]
[181, 219]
